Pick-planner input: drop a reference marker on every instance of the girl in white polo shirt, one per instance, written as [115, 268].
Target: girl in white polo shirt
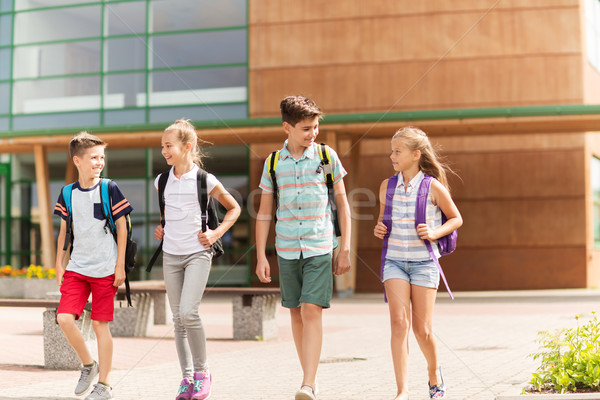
[186, 252]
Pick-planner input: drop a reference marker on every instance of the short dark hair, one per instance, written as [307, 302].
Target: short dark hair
[297, 108]
[83, 141]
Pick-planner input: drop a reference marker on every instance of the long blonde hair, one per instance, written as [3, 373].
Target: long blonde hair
[429, 163]
[186, 133]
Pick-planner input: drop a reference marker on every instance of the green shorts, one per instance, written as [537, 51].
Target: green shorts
[307, 280]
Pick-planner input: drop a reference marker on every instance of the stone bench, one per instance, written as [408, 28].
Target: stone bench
[254, 308]
[58, 354]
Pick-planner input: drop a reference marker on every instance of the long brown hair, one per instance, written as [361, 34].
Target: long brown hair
[429, 163]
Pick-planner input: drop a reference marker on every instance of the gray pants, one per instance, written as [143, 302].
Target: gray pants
[185, 280]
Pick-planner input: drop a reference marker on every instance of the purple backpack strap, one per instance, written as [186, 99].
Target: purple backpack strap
[387, 219]
[421, 218]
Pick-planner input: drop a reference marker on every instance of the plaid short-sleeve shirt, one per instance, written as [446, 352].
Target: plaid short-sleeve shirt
[304, 225]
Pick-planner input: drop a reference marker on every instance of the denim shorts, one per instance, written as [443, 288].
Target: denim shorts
[421, 273]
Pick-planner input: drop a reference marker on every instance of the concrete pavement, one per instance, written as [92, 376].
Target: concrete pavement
[483, 340]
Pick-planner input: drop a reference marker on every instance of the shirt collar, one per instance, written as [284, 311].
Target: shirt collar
[191, 174]
[308, 153]
[413, 182]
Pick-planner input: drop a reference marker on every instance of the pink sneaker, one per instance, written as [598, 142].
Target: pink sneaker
[202, 383]
[186, 389]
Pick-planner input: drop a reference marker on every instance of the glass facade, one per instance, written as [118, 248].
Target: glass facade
[67, 65]
[155, 60]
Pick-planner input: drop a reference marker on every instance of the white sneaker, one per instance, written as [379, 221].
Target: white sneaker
[306, 393]
[88, 374]
[100, 392]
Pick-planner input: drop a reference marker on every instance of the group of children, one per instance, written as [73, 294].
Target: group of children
[303, 184]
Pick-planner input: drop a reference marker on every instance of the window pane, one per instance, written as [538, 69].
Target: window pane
[125, 90]
[57, 59]
[199, 113]
[125, 54]
[61, 24]
[50, 95]
[29, 4]
[5, 5]
[5, 29]
[126, 18]
[5, 64]
[218, 85]
[124, 117]
[4, 98]
[3, 124]
[221, 47]
[79, 120]
[172, 15]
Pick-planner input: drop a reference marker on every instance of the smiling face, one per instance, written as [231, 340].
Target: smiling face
[90, 163]
[403, 158]
[303, 134]
[173, 150]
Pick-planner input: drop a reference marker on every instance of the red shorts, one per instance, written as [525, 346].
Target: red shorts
[75, 291]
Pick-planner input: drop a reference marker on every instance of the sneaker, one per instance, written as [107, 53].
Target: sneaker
[306, 393]
[88, 374]
[437, 391]
[186, 389]
[202, 385]
[100, 392]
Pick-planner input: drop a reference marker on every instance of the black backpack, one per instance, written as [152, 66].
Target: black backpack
[203, 199]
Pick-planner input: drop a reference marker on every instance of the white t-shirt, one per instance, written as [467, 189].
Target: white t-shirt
[183, 219]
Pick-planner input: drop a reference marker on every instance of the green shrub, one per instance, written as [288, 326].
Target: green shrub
[570, 358]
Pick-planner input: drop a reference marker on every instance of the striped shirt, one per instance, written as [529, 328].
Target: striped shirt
[404, 243]
[304, 226]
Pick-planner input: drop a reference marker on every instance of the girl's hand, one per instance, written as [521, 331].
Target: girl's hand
[159, 232]
[425, 232]
[207, 238]
[380, 230]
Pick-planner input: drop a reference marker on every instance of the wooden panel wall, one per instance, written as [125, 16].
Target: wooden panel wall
[523, 202]
[356, 56]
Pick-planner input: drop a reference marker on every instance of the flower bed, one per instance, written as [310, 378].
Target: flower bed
[27, 283]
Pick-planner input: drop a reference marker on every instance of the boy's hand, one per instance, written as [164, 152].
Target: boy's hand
[425, 232]
[59, 276]
[380, 230]
[207, 238]
[159, 232]
[119, 275]
[341, 264]
[263, 271]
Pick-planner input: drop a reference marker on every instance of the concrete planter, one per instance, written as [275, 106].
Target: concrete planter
[23, 288]
[569, 396]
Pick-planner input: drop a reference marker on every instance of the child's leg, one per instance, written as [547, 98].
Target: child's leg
[423, 301]
[312, 339]
[398, 292]
[297, 329]
[196, 276]
[74, 337]
[105, 349]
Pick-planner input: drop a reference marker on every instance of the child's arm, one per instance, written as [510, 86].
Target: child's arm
[341, 264]
[121, 225]
[209, 237]
[380, 229]
[442, 198]
[263, 223]
[60, 253]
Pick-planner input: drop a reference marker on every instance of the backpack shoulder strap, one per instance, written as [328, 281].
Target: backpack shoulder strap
[202, 196]
[272, 161]
[106, 204]
[327, 167]
[162, 184]
[421, 205]
[66, 194]
[387, 221]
